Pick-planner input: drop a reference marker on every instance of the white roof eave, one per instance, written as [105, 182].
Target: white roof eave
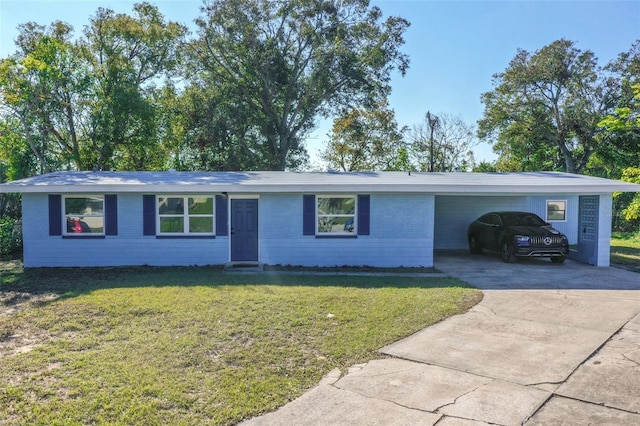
[312, 182]
[353, 188]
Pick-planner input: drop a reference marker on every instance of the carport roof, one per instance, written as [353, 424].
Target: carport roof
[318, 182]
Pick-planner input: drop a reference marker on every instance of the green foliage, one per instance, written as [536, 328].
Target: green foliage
[624, 118]
[35, 88]
[86, 103]
[194, 346]
[10, 236]
[626, 206]
[621, 126]
[544, 110]
[214, 132]
[367, 139]
[283, 64]
[255, 80]
[370, 139]
[485, 167]
[632, 211]
[128, 54]
[10, 203]
[16, 158]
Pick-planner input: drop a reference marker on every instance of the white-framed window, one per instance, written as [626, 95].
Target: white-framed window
[83, 214]
[185, 215]
[556, 210]
[336, 215]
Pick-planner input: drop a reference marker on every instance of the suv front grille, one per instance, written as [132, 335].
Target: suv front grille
[556, 240]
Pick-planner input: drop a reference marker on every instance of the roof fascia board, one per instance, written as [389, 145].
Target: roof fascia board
[286, 182]
[440, 189]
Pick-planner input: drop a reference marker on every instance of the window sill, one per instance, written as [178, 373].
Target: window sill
[336, 236]
[83, 237]
[183, 237]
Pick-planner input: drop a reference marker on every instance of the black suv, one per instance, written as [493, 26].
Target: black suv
[517, 234]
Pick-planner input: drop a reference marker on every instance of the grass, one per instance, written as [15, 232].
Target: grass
[625, 250]
[191, 346]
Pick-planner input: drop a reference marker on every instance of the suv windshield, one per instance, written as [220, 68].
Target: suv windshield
[522, 220]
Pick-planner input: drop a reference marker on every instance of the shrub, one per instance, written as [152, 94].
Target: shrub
[10, 236]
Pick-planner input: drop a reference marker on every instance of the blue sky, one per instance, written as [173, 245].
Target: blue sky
[455, 46]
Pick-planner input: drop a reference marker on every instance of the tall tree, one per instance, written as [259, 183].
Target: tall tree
[366, 139]
[623, 156]
[128, 55]
[622, 125]
[544, 109]
[42, 87]
[80, 104]
[443, 141]
[292, 61]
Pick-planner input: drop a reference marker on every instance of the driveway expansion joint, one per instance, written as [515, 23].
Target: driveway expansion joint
[467, 419]
[597, 404]
[453, 368]
[534, 412]
[533, 385]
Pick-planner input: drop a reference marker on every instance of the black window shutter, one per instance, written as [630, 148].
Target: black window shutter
[55, 214]
[222, 208]
[111, 214]
[308, 215]
[149, 215]
[364, 209]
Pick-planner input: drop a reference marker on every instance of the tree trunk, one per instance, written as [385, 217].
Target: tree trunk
[44, 167]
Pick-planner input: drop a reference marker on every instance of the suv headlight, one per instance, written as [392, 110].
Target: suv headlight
[522, 240]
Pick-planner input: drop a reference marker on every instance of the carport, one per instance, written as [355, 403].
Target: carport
[581, 209]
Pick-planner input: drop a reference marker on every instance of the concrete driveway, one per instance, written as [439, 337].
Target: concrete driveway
[549, 344]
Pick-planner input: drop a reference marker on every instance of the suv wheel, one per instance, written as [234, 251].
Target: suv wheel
[507, 252]
[474, 247]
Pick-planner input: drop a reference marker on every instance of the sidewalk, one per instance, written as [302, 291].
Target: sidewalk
[549, 344]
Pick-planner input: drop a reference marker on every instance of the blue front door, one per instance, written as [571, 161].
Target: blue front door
[244, 230]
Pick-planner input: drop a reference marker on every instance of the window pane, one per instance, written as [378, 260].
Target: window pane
[168, 205]
[83, 205]
[336, 205]
[81, 224]
[201, 224]
[201, 205]
[333, 224]
[556, 210]
[171, 224]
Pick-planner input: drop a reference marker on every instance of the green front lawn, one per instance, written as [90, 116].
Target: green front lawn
[625, 249]
[193, 346]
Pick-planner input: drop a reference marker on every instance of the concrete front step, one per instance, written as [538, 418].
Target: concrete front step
[243, 267]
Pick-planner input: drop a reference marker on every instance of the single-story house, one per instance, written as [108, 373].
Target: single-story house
[381, 219]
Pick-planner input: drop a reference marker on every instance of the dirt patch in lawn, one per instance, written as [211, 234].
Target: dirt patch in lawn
[14, 341]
